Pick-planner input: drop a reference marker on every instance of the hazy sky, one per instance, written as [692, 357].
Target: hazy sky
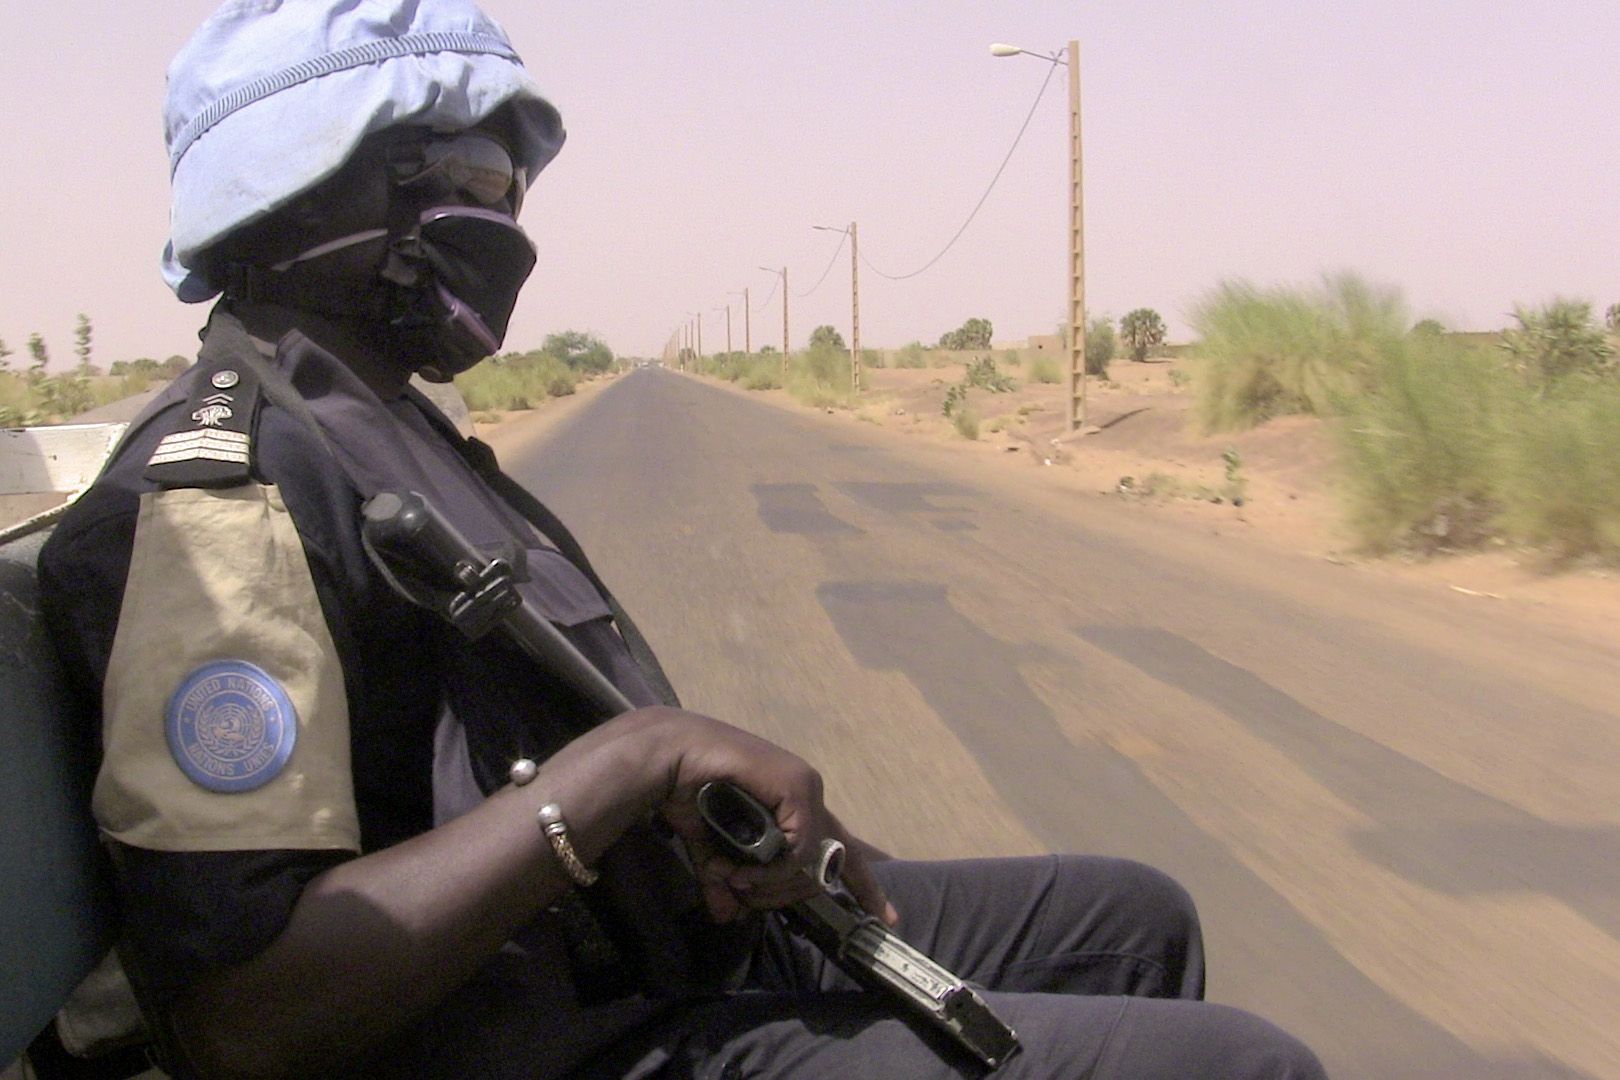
[1465, 150]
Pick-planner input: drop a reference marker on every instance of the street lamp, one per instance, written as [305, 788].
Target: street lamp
[854, 302]
[783, 272]
[1075, 411]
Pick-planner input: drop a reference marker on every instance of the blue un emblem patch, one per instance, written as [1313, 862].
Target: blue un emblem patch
[231, 727]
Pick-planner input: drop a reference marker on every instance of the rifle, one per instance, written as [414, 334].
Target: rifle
[413, 542]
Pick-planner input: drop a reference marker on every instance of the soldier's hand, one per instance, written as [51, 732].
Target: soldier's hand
[706, 749]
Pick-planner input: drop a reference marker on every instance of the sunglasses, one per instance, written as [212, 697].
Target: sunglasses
[470, 164]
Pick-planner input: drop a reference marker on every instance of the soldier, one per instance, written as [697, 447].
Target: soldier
[349, 841]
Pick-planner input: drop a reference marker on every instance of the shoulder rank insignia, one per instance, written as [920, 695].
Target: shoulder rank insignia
[214, 447]
[230, 726]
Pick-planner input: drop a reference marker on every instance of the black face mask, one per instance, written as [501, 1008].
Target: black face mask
[458, 274]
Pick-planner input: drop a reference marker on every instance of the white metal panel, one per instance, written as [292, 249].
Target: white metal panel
[63, 457]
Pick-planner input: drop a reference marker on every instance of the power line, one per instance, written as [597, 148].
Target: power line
[827, 271]
[976, 206]
[761, 305]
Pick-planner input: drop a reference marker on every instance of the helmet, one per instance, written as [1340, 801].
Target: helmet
[271, 97]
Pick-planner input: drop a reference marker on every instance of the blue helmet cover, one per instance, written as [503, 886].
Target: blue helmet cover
[270, 97]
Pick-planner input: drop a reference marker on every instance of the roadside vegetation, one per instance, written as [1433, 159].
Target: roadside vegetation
[32, 395]
[1449, 442]
[524, 380]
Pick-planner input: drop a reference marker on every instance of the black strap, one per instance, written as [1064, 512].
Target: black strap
[227, 337]
[482, 459]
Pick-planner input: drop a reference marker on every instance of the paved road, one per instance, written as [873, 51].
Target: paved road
[1396, 808]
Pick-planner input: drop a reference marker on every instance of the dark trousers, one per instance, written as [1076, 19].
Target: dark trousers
[1096, 963]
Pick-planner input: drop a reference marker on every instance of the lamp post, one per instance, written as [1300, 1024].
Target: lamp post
[698, 353]
[748, 335]
[1075, 410]
[783, 272]
[854, 302]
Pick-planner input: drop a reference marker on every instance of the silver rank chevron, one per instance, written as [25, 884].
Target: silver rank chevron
[215, 410]
[211, 445]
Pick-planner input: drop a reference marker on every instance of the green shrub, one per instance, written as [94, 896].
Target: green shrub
[1560, 481]
[873, 358]
[1143, 331]
[516, 382]
[1279, 351]
[1044, 369]
[966, 422]
[912, 356]
[1557, 340]
[1423, 447]
[1101, 346]
[820, 376]
[763, 375]
[984, 373]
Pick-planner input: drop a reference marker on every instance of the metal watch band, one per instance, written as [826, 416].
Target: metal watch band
[556, 830]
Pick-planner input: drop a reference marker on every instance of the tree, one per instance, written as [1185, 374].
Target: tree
[973, 334]
[41, 357]
[1428, 328]
[579, 350]
[1561, 338]
[1143, 331]
[1101, 346]
[5, 364]
[1611, 318]
[826, 335]
[81, 343]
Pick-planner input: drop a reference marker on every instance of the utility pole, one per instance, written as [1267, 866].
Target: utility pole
[728, 327]
[855, 310]
[700, 338]
[748, 319]
[783, 272]
[854, 301]
[1077, 254]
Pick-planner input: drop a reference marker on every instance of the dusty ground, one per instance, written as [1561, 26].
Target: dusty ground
[1139, 427]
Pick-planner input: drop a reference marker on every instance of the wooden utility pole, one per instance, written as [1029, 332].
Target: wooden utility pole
[1077, 254]
[728, 328]
[784, 322]
[748, 319]
[855, 310]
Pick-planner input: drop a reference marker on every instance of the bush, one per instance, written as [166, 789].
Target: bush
[1557, 340]
[973, 334]
[1143, 331]
[1045, 369]
[1101, 346]
[1422, 448]
[826, 335]
[763, 375]
[516, 382]
[966, 422]
[912, 356]
[1560, 482]
[820, 376]
[1270, 353]
[983, 373]
[872, 358]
